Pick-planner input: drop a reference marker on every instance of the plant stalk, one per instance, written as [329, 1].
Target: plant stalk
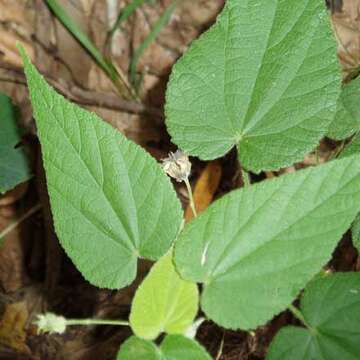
[298, 314]
[70, 322]
[22, 218]
[191, 198]
[245, 177]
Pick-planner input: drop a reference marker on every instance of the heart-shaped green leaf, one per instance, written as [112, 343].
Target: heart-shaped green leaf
[259, 81]
[111, 201]
[257, 247]
[174, 347]
[331, 308]
[163, 302]
[347, 118]
[14, 168]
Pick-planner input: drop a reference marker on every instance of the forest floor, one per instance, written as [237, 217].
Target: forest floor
[35, 274]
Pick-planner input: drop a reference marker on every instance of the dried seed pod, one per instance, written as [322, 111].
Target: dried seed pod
[177, 165]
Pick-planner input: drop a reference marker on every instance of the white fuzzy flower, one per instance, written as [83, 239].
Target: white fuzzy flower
[50, 323]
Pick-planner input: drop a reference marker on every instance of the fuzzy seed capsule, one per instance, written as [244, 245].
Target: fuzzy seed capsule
[177, 165]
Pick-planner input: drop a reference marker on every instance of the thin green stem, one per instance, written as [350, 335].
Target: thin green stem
[124, 14]
[337, 151]
[161, 22]
[245, 177]
[317, 155]
[298, 314]
[192, 203]
[70, 322]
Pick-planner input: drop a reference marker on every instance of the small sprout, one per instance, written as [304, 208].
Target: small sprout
[50, 323]
[177, 165]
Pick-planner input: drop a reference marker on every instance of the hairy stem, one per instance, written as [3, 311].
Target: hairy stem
[245, 177]
[70, 322]
[192, 203]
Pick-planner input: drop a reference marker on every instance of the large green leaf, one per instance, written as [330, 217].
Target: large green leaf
[347, 118]
[14, 168]
[331, 308]
[353, 148]
[163, 302]
[111, 201]
[174, 347]
[257, 80]
[257, 247]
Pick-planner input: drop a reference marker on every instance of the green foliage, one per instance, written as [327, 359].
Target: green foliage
[257, 247]
[257, 80]
[109, 69]
[353, 148]
[331, 308]
[155, 31]
[14, 167]
[125, 13]
[111, 201]
[163, 302]
[174, 347]
[347, 118]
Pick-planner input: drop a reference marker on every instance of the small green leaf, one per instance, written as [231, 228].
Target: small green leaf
[177, 347]
[135, 348]
[257, 247]
[163, 302]
[257, 80]
[14, 167]
[331, 307]
[174, 347]
[347, 118]
[111, 201]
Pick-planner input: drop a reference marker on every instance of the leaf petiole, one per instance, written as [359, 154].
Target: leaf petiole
[70, 322]
[191, 198]
[298, 314]
[245, 177]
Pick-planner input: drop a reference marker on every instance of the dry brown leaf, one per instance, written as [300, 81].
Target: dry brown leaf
[12, 327]
[8, 50]
[205, 188]
[347, 30]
